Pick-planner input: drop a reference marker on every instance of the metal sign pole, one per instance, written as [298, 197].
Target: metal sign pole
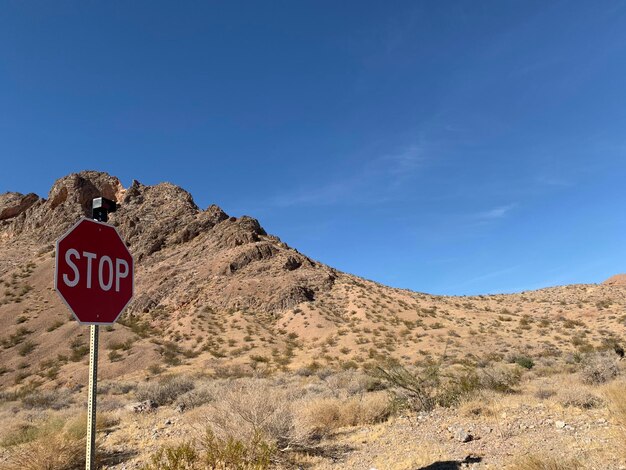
[90, 463]
[100, 209]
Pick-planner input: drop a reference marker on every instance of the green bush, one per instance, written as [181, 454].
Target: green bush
[214, 453]
[114, 356]
[420, 389]
[180, 457]
[26, 348]
[233, 453]
[79, 350]
[524, 361]
[428, 386]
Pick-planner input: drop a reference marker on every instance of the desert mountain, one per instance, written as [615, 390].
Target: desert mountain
[215, 292]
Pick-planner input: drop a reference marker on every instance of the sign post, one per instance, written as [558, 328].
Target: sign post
[94, 276]
[90, 463]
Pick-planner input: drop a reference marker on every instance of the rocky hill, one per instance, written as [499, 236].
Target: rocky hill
[617, 280]
[216, 292]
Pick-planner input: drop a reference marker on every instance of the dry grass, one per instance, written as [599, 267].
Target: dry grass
[254, 422]
[322, 416]
[50, 452]
[580, 398]
[248, 408]
[165, 391]
[77, 427]
[615, 394]
[197, 397]
[23, 432]
[214, 454]
[54, 444]
[480, 404]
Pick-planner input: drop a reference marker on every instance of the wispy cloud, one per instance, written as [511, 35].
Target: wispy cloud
[404, 164]
[497, 274]
[547, 180]
[496, 213]
[375, 181]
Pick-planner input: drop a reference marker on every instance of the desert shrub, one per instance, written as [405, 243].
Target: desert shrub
[20, 376]
[114, 356]
[55, 400]
[429, 386]
[233, 453]
[418, 389]
[349, 382]
[76, 428]
[116, 388]
[544, 393]
[616, 397]
[499, 378]
[51, 452]
[79, 350]
[573, 358]
[231, 371]
[180, 457]
[141, 327]
[196, 397]
[165, 391]
[322, 416]
[26, 348]
[535, 462]
[580, 399]
[251, 407]
[599, 368]
[214, 453]
[309, 369]
[52, 445]
[19, 435]
[616, 400]
[16, 338]
[54, 326]
[117, 345]
[24, 433]
[523, 361]
[324, 373]
[479, 404]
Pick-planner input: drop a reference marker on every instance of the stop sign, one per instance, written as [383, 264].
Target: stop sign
[94, 272]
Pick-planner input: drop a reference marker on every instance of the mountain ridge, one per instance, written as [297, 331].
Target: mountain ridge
[215, 291]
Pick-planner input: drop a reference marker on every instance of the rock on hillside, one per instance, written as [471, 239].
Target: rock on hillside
[13, 204]
[43, 220]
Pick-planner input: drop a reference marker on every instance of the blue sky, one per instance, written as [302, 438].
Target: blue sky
[447, 147]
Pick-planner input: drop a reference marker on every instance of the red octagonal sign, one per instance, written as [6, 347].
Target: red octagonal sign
[94, 272]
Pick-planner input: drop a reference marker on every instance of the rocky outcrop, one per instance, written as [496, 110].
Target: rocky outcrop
[68, 200]
[182, 253]
[76, 191]
[13, 204]
[256, 252]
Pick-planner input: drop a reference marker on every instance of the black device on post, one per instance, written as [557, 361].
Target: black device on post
[101, 208]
